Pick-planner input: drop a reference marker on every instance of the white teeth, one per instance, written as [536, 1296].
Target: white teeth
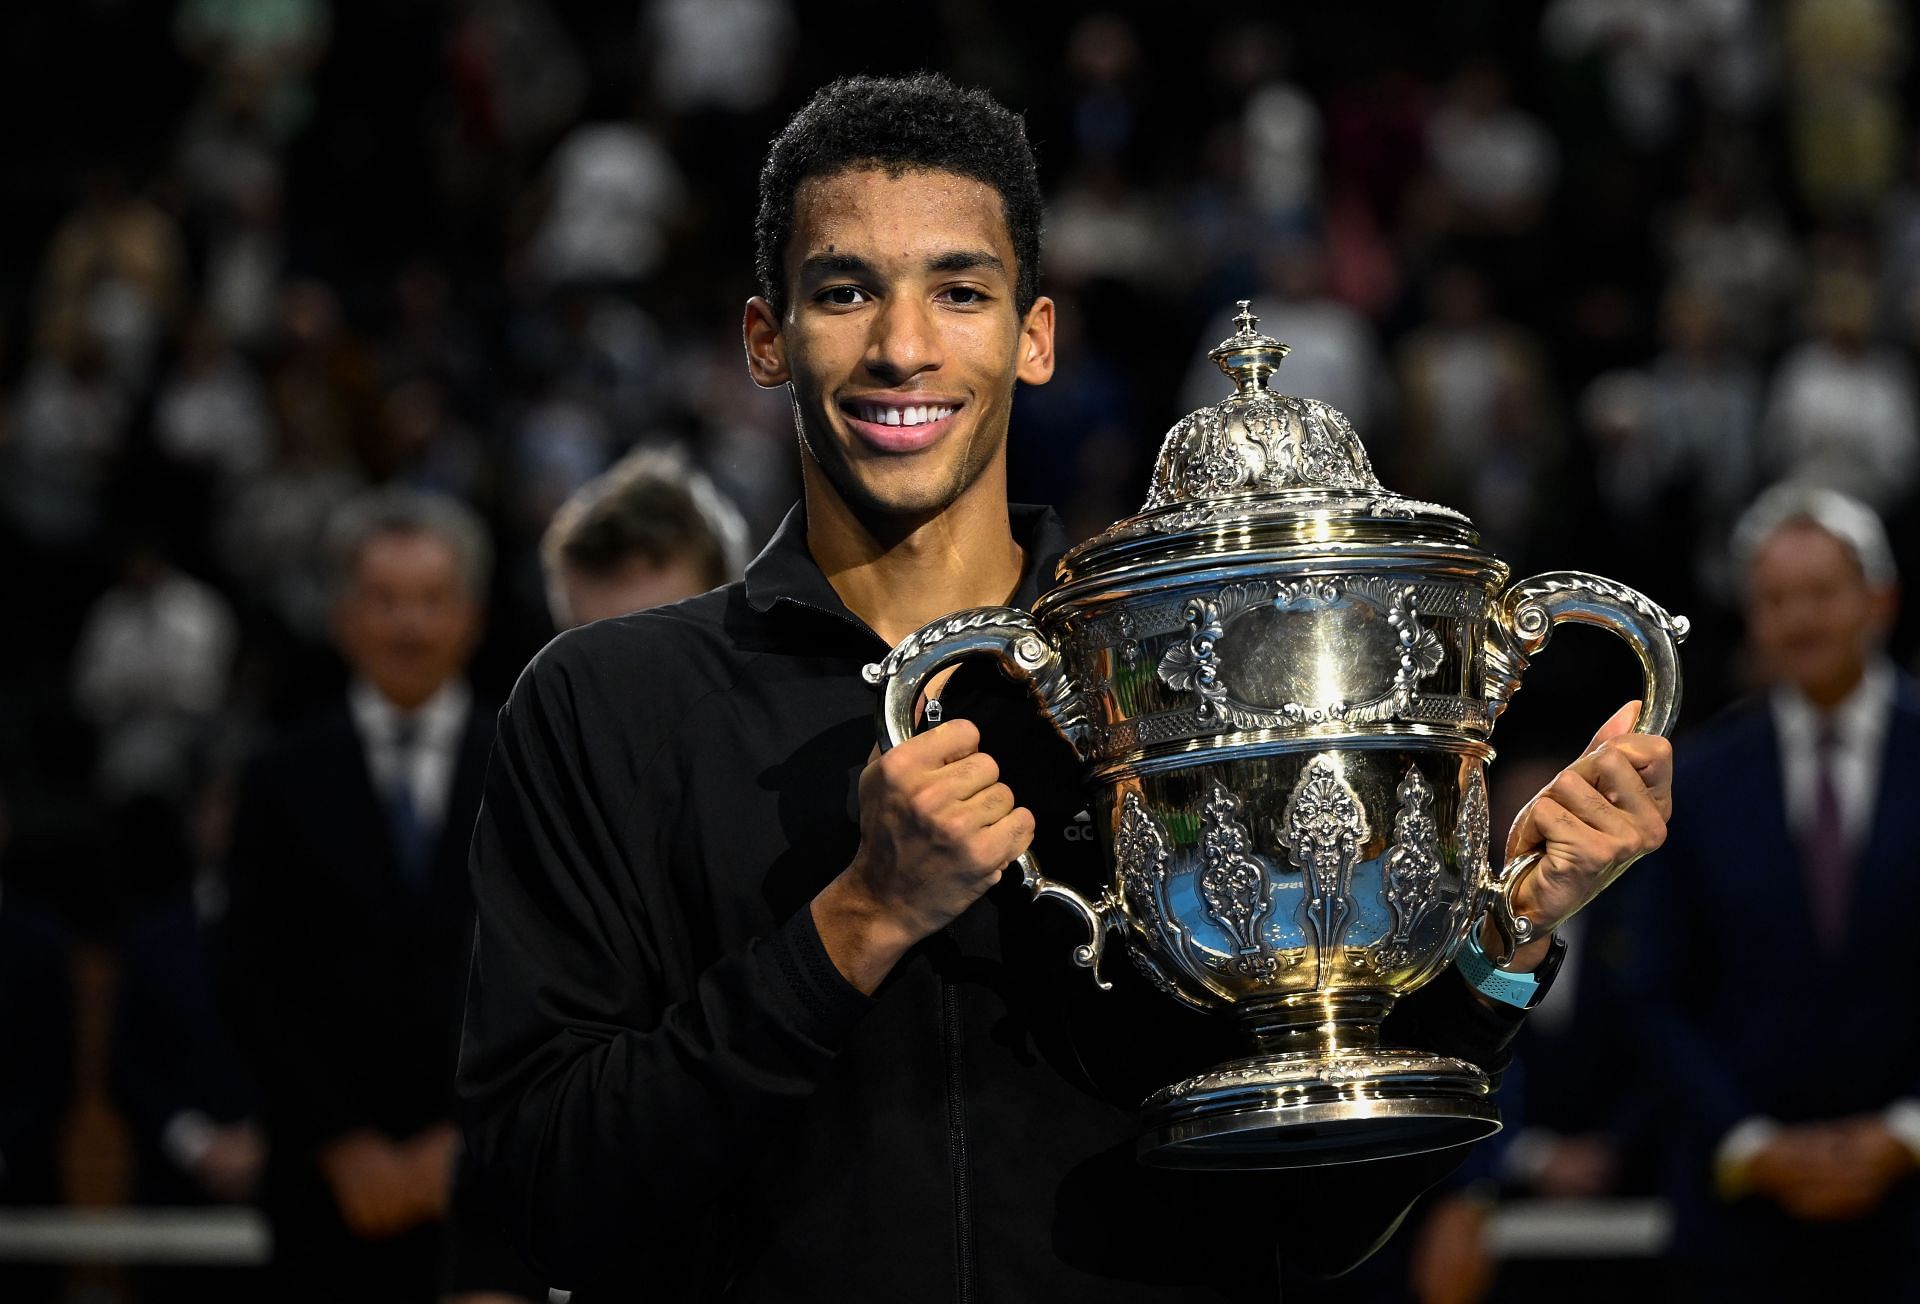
[881, 415]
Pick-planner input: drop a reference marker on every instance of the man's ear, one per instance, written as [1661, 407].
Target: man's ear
[766, 345]
[1036, 344]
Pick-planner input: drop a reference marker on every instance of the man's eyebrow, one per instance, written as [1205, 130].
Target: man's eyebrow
[831, 263]
[966, 260]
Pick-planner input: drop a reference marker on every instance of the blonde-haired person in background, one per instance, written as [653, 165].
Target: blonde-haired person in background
[650, 530]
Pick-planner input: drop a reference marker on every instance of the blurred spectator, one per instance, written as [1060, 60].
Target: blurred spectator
[1101, 228]
[1844, 59]
[1496, 162]
[68, 431]
[1900, 257]
[614, 191]
[1774, 929]
[322, 382]
[351, 917]
[649, 531]
[1103, 70]
[212, 412]
[271, 44]
[1479, 426]
[1841, 412]
[1724, 242]
[1281, 125]
[176, 1074]
[151, 675]
[245, 258]
[725, 55]
[517, 76]
[1653, 52]
[114, 273]
[1706, 406]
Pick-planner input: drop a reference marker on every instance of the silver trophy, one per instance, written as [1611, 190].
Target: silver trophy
[1281, 678]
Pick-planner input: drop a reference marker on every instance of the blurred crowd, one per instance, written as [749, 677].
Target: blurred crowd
[1594, 271]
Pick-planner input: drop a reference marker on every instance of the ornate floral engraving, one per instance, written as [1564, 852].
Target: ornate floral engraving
[1285, 1073]
[1474, 831]
[1193, 665]
[1412, 867]
[1140, 852]
[1232, 880]
[1421, 651]
[1323, 829]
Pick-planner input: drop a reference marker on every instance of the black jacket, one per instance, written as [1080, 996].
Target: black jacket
[677, 1097]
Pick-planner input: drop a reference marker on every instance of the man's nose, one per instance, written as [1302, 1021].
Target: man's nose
[904, 342]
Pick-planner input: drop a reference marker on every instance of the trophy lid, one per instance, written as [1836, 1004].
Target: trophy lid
[1262, 465]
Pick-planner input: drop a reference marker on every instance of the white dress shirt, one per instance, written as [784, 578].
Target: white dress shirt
[428, 767]
[1860, 726]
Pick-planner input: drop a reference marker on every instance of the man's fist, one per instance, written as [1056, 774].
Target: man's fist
[1599, 815]
[937, 829]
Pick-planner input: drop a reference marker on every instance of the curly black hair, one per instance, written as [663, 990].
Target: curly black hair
[900, 123]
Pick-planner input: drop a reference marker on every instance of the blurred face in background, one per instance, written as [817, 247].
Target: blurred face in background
[407, 622]
[1814, 618]
[634, 586]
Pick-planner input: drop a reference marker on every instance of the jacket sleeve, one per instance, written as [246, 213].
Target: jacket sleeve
[610, 1099]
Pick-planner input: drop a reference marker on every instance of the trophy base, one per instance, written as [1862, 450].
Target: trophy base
[1302, 1110]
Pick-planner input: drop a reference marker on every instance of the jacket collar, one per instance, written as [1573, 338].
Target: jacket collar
[786, 571]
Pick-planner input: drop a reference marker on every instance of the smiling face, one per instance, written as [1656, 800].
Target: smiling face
[901, 342]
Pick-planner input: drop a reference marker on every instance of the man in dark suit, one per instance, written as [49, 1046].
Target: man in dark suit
[1780, 966]
[351, 918]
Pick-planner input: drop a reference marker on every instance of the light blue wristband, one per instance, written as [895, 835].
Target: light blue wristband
[1517, 989]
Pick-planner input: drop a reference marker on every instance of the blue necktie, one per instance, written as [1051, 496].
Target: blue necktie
[1828, 868]
[409, 830]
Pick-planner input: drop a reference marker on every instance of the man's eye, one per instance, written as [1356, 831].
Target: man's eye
[965, 294]
[843, 296]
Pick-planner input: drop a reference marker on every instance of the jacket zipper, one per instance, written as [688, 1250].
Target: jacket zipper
[959, 1164]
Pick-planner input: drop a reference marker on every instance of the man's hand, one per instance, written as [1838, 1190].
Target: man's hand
[1451, 1263]
[1823, 1172]
[937, 828]
[229, 1168]
[1599, 815]
[429, 1158]
[372, 1184]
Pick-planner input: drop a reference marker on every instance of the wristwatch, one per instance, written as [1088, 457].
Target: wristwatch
[1521, 990]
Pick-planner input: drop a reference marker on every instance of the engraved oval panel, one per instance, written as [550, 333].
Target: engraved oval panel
[1343, 651]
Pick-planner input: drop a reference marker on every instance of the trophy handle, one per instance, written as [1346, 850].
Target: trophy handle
[1521, 626]
[1011, 638]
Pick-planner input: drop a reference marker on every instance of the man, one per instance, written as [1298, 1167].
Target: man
[649, 530]
[754, 1015]
[1776, 962]
[351, 918]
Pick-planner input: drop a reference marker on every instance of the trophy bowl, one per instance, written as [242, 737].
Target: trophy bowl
[1281, 680]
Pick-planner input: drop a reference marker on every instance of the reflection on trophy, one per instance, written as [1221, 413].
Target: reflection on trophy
[1281, 679]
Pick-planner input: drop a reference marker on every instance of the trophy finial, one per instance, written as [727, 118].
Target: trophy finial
[1247, 355]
